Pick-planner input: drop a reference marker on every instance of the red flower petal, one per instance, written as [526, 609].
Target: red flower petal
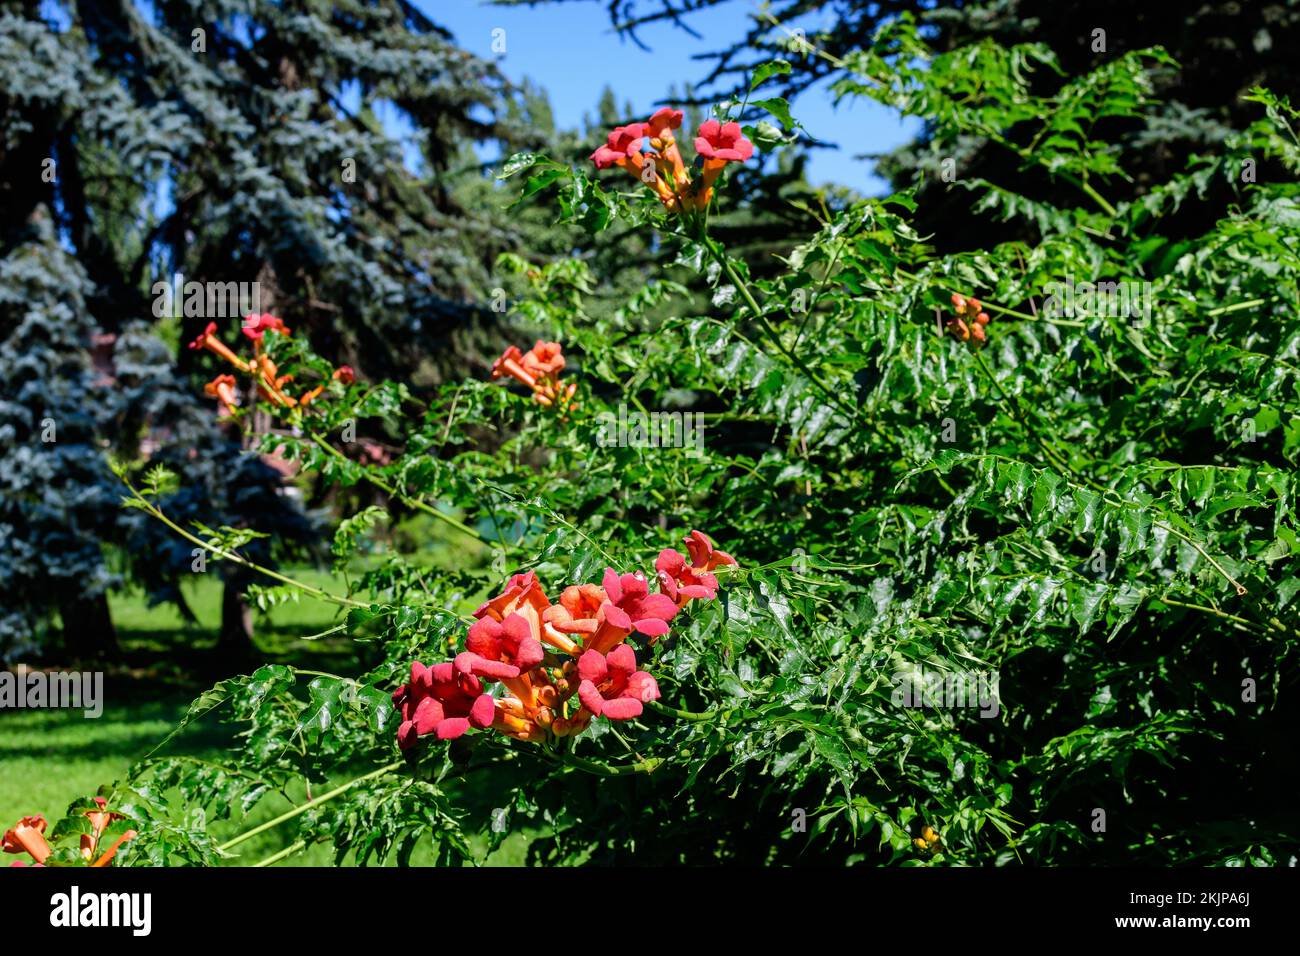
[483, 711]
[622, 708]
[530, 654]
[452, 727]
[592, 667]
[656, 605]
[641, 686]
[442, 673]
[651, 626]
[471, 664]
[428, 716]
[484, 637]
[613, 585]
[621, 661]
[670, 560]
[515, 628]
[618, 617]
[590, 697]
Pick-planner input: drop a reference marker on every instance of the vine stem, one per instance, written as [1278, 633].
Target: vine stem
[303, 808]
[1014, 408]
[721, 258]
[158, 514]
[649, 765]
[1237, 306]
[1210, 610]
[799, 363]
[290, 850]
[1096, 197]
[1032, 318]
[991, 307]
[681, 714]
[390, 489]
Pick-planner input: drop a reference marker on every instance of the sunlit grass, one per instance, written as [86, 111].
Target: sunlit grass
[51, 758]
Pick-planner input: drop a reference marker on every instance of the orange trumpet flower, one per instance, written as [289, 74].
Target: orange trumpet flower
[27, 836]
[112, 850]
[222, 388]
[208, 340]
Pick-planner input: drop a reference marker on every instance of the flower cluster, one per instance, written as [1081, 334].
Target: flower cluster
[928, 841]
[539, 369]
[28, 836]
[970, 318]
[270, 384]
[543, 654]
[662, 168]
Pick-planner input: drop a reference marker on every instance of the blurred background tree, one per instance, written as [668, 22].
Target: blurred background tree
[333, 154]
[225, 142]
[1223, 48]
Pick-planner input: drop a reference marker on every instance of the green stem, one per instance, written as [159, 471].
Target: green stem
[601, 770]
[1032, 318]
[1082, 185]
[222, 553]
[303, 808]
[1096, 197]
[769, 331]
[989, 306]
[681, 714]
[1013, 406]
[1209, 610]
[1248, 304]
[307, 673]
[406, 499]
[290, 850]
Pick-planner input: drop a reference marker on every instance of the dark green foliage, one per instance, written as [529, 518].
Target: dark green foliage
[1097, 509]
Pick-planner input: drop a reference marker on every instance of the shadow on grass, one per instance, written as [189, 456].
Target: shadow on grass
[51, 758]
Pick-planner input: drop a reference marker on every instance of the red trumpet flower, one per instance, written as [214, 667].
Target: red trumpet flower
[500, 650]
[660, 126]
[685, 581]
[100, 820]
[112, 850]
[577, 615]
[342, 374]
[632, 606]
[438, 700]
[612, 686]
[539, 369]
[681, 582]
[703, 554]
[257, 325]
[510, 363]
[586, 631]
[622, 148]
[722, 142]
[716, 144]
[543, 359]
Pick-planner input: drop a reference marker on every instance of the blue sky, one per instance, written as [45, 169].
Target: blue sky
[571, 51]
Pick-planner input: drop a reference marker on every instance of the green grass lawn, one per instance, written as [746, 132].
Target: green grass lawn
[50, 758]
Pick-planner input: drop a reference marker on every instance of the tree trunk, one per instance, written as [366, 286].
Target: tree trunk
[88, 631]
[235, 641]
